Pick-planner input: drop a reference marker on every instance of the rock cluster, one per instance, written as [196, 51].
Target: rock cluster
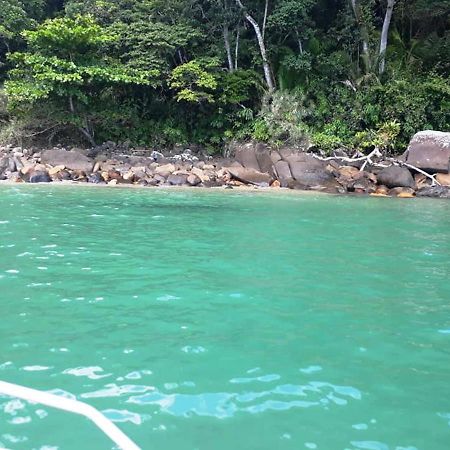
[254, 164]
[59, 164]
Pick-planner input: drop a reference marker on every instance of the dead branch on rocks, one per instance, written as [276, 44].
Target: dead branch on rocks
[366, 158]
[410, 166]
[377, 154]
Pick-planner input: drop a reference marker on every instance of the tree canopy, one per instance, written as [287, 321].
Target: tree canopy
[152, 72]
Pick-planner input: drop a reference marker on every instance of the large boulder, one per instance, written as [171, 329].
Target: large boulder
[177, 179]
[443, 179]
[395, 176]
[309, 172]
[250, 176]
[264, 159]
[283, 172]
[7, 164]
[39, 176]
[69, 159]
[430, 150]
[165, 170]
[246, 156]
[434, 192]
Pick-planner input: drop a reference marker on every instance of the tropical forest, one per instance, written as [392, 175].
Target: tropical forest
[324, 73]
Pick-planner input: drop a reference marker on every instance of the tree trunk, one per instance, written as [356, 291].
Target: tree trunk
[365, 54]
[84, 130]
[226, 40]
[236, 48]
[385, 34]
[266, 10]
[299, 41]
[262, 47]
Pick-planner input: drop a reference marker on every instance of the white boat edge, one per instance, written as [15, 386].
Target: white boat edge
[73, 406]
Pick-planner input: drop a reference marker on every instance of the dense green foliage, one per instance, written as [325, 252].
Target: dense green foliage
[155, 72]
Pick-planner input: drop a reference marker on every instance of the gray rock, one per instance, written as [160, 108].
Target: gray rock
[275, 157]
[7, 164]
[434, 192]
[284, 174]
[71, 160]
[430, 150]
[395, 176]
[39, 176]
[246, 155]
[310, 172]
[264, 159]
[177, 180]
[95, 178]
[250, 176]
[193, 180]
[64, 175]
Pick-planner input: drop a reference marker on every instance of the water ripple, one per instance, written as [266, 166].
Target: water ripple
[117, 415]
[227, 404]
[89, 372]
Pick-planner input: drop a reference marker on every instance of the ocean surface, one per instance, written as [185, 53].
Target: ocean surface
[212, 320]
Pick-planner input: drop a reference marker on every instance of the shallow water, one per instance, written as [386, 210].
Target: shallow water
[216, 321]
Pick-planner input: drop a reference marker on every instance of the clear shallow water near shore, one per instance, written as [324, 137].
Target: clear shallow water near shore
[216, 321]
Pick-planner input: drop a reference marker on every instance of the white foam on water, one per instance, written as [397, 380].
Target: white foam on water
[20, 420]
[35, 368]
[311, 369]
[88, 372]
[167, 298]
[117, 415]
[193, 349]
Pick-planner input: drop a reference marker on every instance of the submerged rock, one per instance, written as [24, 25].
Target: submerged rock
[402, 192]
[434, 192]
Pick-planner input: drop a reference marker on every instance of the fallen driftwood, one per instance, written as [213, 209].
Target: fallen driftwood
[366, 158]
[377, 154]
[410, 166]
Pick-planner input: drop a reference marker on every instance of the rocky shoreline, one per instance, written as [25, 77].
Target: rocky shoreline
[422, 171]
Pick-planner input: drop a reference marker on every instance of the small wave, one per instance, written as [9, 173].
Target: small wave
[226, 404]
[35, 368]
[167, 298]
[88, 372]
[263, 379]
[311, 369]
[117, 415]
[193, 349]
[113, 390]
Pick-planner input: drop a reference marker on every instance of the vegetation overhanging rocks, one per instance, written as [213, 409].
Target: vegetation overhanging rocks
[253, 164]
[353, 74]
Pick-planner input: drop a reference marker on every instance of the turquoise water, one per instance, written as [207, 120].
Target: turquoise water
[224, 320]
